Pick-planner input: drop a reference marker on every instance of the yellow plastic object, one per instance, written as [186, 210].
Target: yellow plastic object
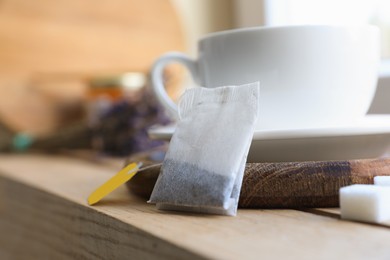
[117, 180]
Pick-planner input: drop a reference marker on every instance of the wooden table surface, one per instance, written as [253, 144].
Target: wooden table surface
[44, 215]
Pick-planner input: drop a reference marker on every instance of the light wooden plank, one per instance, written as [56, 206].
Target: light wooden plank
[47, 196]
[37, 225]
[336, 213]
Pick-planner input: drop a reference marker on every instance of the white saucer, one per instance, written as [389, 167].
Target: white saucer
[368, 138]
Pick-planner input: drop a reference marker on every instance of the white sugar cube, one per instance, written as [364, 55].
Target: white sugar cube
[368, 203]
[382, 180]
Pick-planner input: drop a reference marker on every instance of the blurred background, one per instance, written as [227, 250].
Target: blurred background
[74, 74]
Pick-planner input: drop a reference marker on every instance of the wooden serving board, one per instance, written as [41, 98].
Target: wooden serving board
[288, 184]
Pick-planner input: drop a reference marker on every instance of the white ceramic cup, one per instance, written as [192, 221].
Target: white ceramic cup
[310, 76]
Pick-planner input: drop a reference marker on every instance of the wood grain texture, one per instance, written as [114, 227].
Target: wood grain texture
[44, 216]
[336, 213]
[38, 224]
[291, 184]
[305, 184]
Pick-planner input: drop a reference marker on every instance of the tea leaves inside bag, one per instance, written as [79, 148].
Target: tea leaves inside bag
[203, 167]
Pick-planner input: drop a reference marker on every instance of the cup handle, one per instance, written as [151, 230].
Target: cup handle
[157, 77]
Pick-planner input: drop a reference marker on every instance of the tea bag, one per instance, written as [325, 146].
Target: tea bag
[205, 162]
